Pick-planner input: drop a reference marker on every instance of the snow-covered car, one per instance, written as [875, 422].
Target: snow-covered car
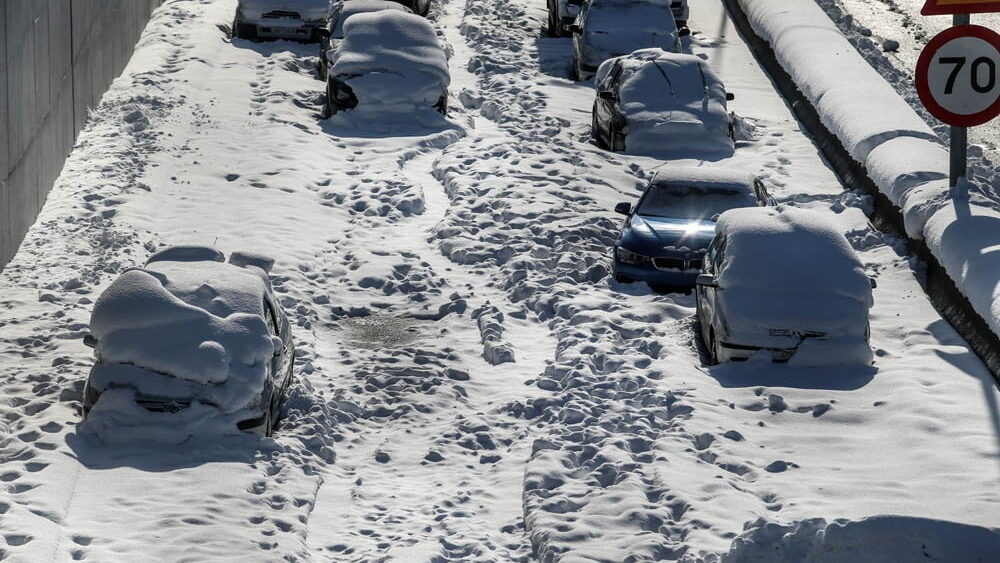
[666, 235]
[562, 14]
[335, 26]
[783, 282]
[300, 20]
[612, 28]
[657, 103]
[187, 345]
[388, 62]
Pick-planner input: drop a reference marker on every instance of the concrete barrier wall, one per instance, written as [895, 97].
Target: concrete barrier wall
[57, 57]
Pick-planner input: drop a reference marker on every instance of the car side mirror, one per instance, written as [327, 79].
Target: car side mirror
[873, 282]
[706, 280]
[323, 32]
[606, 95]
[623, 208]
[90, 341]
[730, 96]
[684, 31]
[575, 29]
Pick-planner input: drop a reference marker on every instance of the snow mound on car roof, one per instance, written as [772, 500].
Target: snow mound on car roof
[674, 104]
[877, 539]
[355, 7]
[199, 321]
[784, 249]
[393, 61]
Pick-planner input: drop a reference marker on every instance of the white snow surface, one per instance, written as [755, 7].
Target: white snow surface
[411, 256]
[882, 132]
[674, 104]
[393, 62]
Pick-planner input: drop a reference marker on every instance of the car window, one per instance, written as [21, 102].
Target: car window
[271, 318]
[715, 253]
[691, 202]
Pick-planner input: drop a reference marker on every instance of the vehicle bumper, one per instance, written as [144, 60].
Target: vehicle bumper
[299, 30]
[653, 276]
[811, 352]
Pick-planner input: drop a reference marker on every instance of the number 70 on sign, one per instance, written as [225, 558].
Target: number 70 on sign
[957, 75]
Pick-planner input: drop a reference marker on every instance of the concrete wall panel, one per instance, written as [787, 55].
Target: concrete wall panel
[57, 58]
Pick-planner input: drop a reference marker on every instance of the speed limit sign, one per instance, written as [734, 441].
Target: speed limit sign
[958, 75]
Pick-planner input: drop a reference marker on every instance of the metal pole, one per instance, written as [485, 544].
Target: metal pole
[959, 135]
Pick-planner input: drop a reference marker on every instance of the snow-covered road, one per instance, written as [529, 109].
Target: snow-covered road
[415, 259]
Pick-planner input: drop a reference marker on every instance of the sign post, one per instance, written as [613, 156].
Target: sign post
[959, 135]
[958, 75]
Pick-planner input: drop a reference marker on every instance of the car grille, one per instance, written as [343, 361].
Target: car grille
[675, 263]
[668, 263]
[163, 406]
[281, 14]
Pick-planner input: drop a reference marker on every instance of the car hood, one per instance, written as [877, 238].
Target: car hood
[651, 236]
[308, 9]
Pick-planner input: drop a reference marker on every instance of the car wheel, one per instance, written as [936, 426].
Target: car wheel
[442, 105]
[595, 130]
[616, 141]
[555, 25]
[713, 349]
[244, 31]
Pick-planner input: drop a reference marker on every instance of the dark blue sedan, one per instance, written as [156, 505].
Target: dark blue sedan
[666, 235]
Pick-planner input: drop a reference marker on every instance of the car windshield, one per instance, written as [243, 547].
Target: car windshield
[692, 202]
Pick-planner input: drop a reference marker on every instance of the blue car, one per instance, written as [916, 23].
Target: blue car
[667, 233]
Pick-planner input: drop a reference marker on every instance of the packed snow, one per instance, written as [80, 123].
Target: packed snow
[409, 257]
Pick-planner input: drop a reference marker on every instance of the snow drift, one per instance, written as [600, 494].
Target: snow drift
[877, 539]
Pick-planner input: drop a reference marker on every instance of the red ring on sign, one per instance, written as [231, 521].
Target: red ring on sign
[923, 80]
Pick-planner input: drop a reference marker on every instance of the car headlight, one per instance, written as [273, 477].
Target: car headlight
[629, 257]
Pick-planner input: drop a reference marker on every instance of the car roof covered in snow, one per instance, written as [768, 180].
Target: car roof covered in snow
[345, 10]
[707, 178]
[785, 249]
[390, 41]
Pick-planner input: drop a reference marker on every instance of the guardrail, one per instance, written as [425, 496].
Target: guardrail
[943, 293]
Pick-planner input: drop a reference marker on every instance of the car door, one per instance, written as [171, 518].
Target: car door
[607, 99]
[280, 362]
[707, 296]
